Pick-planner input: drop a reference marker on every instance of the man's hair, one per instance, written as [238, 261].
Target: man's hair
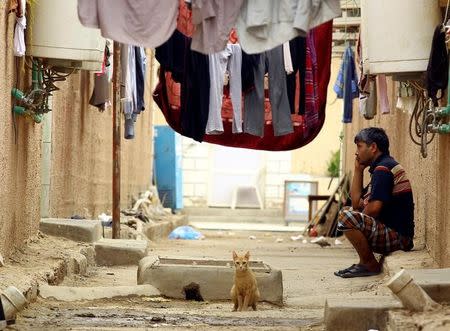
[374, 135]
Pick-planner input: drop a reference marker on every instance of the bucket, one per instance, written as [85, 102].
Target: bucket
[13, 301]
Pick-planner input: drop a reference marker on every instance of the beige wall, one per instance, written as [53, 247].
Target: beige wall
[81, 167]
[81, 159]
[429, 177]
[313, 158]
[19, 158]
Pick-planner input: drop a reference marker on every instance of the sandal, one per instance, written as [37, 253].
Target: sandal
[342, 271]
[359, 270]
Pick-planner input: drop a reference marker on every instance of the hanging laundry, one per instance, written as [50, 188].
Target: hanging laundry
[287, 58]
[191, 69]
[437, 69]
[19, 30]
[231, 59]
[263, 25]
[249, 64]
[367, 87]
[129, 96]
[383, 94]
[167, 96]
[254, 100]
[101, 94]
[213, 21]
[147, 23]
[368, 100]
[297, 47]
[406, 98]
[311, 84]
[346, 86]
[141, 68]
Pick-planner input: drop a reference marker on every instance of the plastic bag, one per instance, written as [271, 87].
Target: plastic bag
[185, 232]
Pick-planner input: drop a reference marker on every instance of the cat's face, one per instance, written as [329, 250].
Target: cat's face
[241, 261]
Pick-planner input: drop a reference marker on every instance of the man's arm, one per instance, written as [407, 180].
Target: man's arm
[373, 208]
[382, 183]
[357, 185]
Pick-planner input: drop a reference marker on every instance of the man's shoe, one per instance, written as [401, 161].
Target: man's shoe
[340, 272]
[359, 270]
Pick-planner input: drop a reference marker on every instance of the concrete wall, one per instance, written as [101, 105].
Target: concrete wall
[429, 177]
[80, 151]
[19, 155]
[81, 160]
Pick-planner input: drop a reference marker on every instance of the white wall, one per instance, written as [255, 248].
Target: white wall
[197, 171]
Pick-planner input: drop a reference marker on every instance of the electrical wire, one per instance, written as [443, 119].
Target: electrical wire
[421, 118]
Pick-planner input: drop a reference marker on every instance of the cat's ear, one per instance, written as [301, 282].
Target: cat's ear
[234, 255]
[247, 255]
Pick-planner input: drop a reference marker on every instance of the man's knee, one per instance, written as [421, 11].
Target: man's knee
[349, 219]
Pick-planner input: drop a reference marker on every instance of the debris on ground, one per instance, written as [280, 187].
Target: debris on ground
[252, 237]
[105, 219]
[150, 206]
[185, 232]
[2, 262]
[279, 240]
[321, 241]
[295, 238]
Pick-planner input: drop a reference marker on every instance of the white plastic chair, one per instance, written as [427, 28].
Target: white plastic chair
[254, 185]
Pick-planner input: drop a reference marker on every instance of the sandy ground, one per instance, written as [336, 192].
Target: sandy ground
[33, 263]
[307, 280]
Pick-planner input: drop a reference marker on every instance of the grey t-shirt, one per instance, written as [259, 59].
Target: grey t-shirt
[147, 23]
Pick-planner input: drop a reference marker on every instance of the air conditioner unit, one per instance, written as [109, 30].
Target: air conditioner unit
[58, 36]
[396, 35]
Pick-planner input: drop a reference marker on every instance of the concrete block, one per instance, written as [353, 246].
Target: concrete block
[78, 230]
[76, 264]
[65, 293]
[120, 251]
[89, 253]
[214, 277]
[355, 314]
[161, 230]
[436, 282]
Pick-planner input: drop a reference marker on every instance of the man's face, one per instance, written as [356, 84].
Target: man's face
[365, 153]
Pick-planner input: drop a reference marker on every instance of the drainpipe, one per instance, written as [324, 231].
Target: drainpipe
[46, 162]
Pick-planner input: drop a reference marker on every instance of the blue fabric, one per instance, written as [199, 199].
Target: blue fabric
[346, 85]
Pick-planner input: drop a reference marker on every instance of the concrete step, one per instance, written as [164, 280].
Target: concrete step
[66, 293]
[356, 314]
[236, 219]
[222, 226]
[120, 251]
[204, 211]
[77, 230]
[436, 282]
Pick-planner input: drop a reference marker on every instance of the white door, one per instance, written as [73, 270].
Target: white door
[233, 167]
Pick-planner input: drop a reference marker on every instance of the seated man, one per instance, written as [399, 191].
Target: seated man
[381, 218]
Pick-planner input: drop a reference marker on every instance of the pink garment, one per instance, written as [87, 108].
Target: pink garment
[382, 94]
[147, 23]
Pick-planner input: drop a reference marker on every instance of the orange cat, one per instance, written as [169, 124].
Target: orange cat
[244, 292]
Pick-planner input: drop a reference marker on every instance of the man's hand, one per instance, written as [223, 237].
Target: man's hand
[358, 166]
[357, 184]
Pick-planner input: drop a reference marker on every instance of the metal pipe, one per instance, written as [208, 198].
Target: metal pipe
[116, 143]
